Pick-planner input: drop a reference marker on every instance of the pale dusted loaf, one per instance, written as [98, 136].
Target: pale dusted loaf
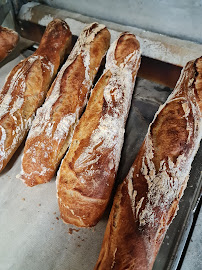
[147, 201]
[54, 124]
[87, 173]
[8, 41]
[26, 87]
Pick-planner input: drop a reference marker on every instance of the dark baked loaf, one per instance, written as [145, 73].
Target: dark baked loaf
[26, 87]
[87, 173]
[54, 123]
[8, 41]
[147, 201]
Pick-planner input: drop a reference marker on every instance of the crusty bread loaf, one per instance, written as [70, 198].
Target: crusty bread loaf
[26, 87]
[8, 41]
[86, 176]
[53, 126]
[147, 200]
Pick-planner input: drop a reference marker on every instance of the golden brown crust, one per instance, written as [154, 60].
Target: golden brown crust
[125, 46]
[87, 173]
[65, 101]
[26, 87]
[8, 41]
[147, 201]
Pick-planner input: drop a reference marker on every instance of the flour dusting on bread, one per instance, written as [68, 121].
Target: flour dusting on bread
[26, 86]
[111, 128]
[11, 102]
[148, 199]
[82, 46]
[56, 119]
[87, 173]
[165, 184]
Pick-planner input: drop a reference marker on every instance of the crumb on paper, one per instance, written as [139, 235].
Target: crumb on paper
[23, 199]
[54, 213]
[39, 204]
[57, 218]
[71, 230]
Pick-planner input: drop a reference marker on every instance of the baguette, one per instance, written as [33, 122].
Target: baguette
[86, 176]
[54, 124]
[147, 200]
[8, 41]
[26, 87]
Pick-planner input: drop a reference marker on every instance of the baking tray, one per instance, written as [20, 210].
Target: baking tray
[33, 237]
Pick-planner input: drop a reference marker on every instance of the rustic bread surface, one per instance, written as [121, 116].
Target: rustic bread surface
[87, 173]
[55, 121]
[147, 201]
[26, 87]
[8, 41]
